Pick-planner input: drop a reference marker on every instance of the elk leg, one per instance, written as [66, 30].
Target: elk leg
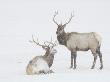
[94, 62]
[74, 56]
[71, 60]
[100, 56]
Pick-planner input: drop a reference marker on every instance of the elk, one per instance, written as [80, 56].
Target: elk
[75, 41]
[42, 64]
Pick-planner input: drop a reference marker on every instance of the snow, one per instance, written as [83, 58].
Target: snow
[20, 19]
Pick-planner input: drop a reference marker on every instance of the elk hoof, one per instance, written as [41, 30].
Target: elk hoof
[71, 67]
[74, 68]
[92, 67]
[101, 67]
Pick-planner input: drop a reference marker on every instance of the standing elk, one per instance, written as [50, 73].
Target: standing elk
[42, 64]
[75, 41]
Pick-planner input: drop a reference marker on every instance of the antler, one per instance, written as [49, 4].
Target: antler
[70, 18]
[45, 45]
[56, 13]
[37, 43]
[51, 43]
[54, 44]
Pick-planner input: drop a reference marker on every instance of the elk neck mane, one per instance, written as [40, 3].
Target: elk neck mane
[47, 53]
[49, 58]
[63, 37]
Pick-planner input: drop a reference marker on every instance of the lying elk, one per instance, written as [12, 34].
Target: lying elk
[42, 64]
[75, 41]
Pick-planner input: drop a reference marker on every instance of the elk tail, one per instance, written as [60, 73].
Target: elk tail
[98, 37]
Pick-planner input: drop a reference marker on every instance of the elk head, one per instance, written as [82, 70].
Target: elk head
[61, 26]
[47, 46]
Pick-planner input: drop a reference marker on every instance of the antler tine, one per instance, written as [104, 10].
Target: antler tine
[56, 13]
[45, 44]
[53, 44]
[32, 40]
[72, 15]
[37, 43]
[49, 43]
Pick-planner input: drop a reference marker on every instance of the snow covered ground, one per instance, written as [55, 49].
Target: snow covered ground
[19, 19]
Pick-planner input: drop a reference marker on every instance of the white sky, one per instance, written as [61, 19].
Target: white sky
[19, 19]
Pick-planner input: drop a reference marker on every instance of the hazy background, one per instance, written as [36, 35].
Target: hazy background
[20, 19]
